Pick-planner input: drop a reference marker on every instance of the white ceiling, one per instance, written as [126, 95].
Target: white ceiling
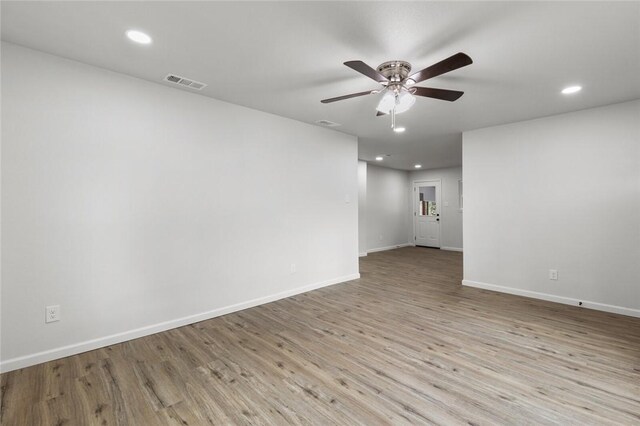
[284, 57]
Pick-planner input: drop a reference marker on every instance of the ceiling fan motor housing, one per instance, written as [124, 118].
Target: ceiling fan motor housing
[395, 71]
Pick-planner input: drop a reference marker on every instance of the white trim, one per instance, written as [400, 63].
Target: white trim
[76, 348]
[362, 254]
[388, 248]
[452, 248]
[553, 298]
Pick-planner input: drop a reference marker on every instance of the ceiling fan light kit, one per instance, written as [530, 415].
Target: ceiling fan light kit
[399, 99]
[398, 92]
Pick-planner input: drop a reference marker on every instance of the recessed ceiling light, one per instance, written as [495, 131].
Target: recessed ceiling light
[138, 37]
[417, 166]
[571, 89]
[399, 129]
[379, 158]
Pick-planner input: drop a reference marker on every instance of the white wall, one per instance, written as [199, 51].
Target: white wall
[450, 213]
[387, 203]
[563, 193]
[362, 207]
[132, 205]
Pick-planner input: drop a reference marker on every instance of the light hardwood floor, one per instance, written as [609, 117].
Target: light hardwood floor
[405, 344]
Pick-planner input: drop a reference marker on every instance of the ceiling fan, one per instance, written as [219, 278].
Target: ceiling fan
[398, 85]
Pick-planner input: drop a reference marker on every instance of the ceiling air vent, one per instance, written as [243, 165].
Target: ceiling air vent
[185, 82]
[327, 123]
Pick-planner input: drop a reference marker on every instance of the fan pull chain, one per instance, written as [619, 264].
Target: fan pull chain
[393, 111]
[393, 118]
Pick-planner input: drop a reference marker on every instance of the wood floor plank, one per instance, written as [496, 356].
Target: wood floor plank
[404, 344]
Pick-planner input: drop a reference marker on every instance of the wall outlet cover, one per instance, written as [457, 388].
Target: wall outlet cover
[52, 313]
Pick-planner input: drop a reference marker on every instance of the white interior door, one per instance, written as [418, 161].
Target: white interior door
[426, 213]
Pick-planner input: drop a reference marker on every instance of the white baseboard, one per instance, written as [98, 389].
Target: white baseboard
[362, 254]
[452, 248]
[374, 250]
[553, 298]
[76, 348]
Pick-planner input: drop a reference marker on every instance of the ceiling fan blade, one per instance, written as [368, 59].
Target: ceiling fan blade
[378, 114]
[353, 95]
[365, 69]
[454, 62]
[445, 95]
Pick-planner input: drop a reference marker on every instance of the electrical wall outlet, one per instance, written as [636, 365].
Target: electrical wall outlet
[293, 268]
[52, 313]
[553, 274]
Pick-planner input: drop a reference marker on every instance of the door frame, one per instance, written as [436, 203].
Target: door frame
[414, 206]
